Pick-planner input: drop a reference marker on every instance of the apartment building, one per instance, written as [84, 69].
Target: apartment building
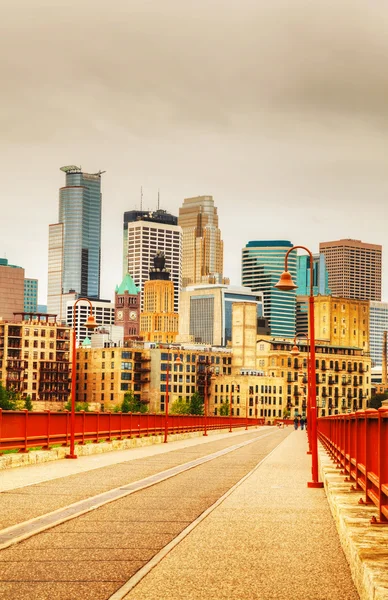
[35, 360]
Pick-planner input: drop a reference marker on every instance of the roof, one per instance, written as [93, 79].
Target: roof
[127, 285]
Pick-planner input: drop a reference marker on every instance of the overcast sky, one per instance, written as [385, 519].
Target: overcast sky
[277, 108]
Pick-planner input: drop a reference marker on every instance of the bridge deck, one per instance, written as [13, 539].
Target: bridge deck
[271, 537]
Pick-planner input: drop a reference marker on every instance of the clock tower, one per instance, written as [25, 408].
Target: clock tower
[127, 307]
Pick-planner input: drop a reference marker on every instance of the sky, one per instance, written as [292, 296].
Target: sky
[278, 109]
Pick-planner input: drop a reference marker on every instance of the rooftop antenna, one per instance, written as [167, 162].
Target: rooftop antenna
[141, 198]
[158, 199]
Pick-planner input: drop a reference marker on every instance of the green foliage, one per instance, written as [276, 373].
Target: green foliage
[196, 404]
[7, 398]
[286, 413]
[132, 404]
[224, 410]
[180, 407]
[377, 399]
[78, 406]
[28, 403]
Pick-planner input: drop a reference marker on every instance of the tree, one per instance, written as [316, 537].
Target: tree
[180, 407]
[196, 404]
[377, 399]
[224, 410]
[28, 403]
[131, 403]
[7, 401]
[78, 406]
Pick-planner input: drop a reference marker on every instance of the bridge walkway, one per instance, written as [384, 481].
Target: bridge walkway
[228, 516]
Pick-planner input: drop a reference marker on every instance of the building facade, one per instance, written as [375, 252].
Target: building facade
[75, 241]
[158, 322]
[103, 311]
[378, 320]
[146, 233]
[31, 295]
[203, 248]
[262, 266]
[354, 268]
[11, 290]
[206, 312]
[127, 307]
[320, 275]
[35, 361]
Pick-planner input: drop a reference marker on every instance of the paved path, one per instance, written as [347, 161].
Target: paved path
[272, 538]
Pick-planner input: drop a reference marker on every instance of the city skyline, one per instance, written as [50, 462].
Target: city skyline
[278, 114]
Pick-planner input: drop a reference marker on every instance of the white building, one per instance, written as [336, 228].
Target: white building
[146, 233]
[103, 311]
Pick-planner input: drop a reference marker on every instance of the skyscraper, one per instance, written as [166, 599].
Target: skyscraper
[11, 290]
[203, 248]
[159, 322]
[75, 241]
[320, 286]
[354, 268]
[378, 324]
[262, 265]
[30, 295]
[146, 233]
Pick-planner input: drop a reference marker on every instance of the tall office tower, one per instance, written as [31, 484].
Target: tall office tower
[11, 290]
[75, 241]
[378, 324]
[320, 286]
[31, 295]
[206, 312]
[203, 249]
[146, 233]
[262, 266]
[159, 322]
[354, 269]
[320, 275]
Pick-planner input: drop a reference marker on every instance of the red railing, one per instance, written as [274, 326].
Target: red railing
[358, 442]
[22, 430]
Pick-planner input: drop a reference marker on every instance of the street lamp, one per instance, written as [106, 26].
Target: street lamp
[90, 325]
[233, 382]
[177, 362]
[295, 352]
[208, 369]
[286, 284]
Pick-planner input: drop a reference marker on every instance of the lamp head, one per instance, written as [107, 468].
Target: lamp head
[295, 350]
[285, 283]
[178, 360]
[91, 323]
[213, 377]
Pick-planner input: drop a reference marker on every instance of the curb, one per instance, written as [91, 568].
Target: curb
[365, 545]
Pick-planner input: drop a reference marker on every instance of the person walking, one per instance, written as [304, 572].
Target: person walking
[302, 423]
[296, 422]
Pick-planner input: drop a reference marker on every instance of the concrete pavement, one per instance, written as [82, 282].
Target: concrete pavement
[271, 538]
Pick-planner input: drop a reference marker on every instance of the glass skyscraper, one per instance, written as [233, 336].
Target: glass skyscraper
[75, 241]
[320, 276]
[378, 315]
[262, 266]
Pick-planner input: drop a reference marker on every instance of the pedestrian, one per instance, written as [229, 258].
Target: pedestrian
[302, 423]
[305, 423]
[296, 423]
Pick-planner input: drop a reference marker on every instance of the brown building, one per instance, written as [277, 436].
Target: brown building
[158, 321]
[127, 307]
[11, 290]
[354, 268]
[202, 247]
[35, 359]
